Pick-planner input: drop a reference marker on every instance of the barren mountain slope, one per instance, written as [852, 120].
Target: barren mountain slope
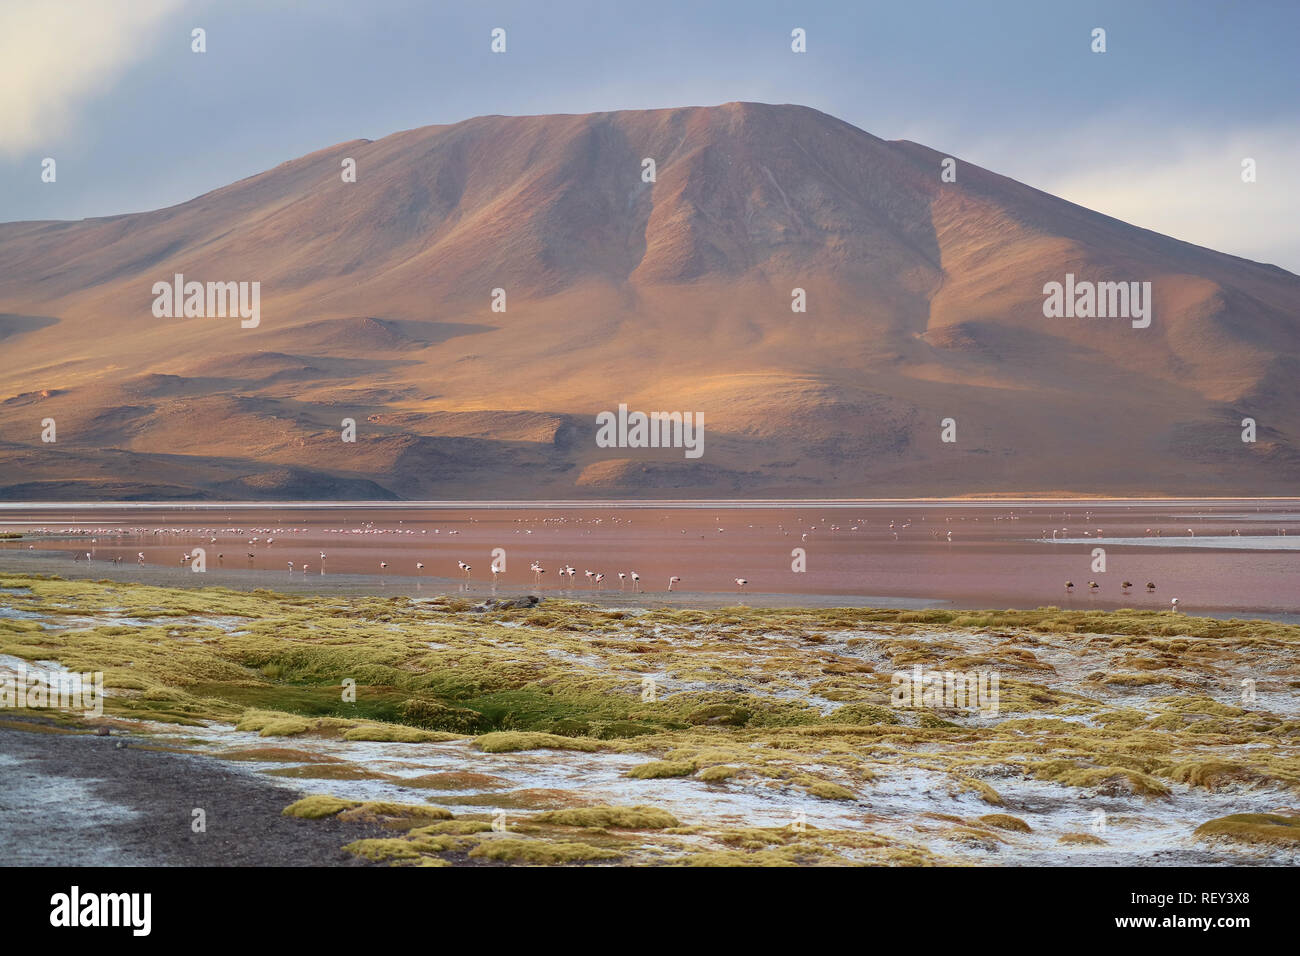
[924, 302]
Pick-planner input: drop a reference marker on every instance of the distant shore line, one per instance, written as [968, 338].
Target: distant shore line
[639, 503]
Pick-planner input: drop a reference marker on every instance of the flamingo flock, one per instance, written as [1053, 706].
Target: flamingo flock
[813, 529]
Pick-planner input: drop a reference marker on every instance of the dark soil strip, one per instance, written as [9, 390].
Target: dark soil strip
[75, 799]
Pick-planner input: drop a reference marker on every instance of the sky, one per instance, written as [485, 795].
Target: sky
[1153, 131]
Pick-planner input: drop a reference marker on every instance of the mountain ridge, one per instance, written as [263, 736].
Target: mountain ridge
[924, 303]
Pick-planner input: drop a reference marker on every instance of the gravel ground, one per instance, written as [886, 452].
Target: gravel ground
[76, 799]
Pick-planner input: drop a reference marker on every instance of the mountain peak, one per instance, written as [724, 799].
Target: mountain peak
[653, 256]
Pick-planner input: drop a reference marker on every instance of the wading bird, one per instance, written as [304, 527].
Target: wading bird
[1151, 585]
[740, 584]
[636, 581]
[1069, 585]
[464, 567]
[673, 580]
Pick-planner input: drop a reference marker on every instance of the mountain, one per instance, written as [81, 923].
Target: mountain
[925, 301]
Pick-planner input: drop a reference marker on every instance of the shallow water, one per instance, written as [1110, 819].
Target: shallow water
[1218, 557]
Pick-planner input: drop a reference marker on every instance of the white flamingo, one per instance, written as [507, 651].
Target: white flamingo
[636, 581]
[740, 584]
[673, 580]
[464, 567]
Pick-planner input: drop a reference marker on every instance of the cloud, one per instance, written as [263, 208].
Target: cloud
[1189, 186]
[1181, 181]
[56, 56]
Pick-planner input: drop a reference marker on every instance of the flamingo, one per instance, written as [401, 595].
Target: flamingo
[383, 564]
[740, 584]
[139, 557]
[636, 581]
[673, 580]
[622, 580]
[537, 570]
[290, 563]
[1093, 585]
[419, 565]
[599, 577]
[1126, 585]
[1174, 605]
[1069, 585]
[464, 567]
[1151, 586]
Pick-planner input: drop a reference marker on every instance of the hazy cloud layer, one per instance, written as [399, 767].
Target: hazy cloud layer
[59, 56]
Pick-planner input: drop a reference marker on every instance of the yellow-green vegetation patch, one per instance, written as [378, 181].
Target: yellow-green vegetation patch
[1005, 821]
[273, 725]
[1274, 829]
[415, 846]
[455, 827]
[318, 806]
[1106, 779]
[658, 769]
[396, 733]
[621, 818]
[826, 790]
[1081, 839]
[395, 815]
[717, 774]
[508, 741]
[1215, 774]
[515, 850]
